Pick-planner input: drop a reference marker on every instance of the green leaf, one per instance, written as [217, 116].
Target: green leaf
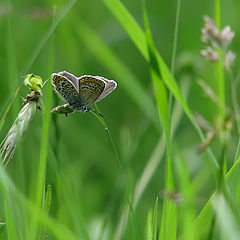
[204, 220]
[155, 217]
[46, 207]
[168, 228]
[225, 218]
[187, 208]
[149, 224]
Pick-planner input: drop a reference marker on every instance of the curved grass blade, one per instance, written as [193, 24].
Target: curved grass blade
[229, 228]
[10, 191]
[168, 228]
[204, 220]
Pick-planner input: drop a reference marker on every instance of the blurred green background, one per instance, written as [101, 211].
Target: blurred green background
[88, 187]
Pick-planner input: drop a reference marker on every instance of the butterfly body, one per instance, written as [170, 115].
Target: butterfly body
[82, 92]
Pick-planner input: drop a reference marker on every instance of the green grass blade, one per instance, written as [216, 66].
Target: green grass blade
[149, 225]
[204, 220]
[168, 229]
[158, 152]
[46, 206]
[58, 230]
[40, 185]
[187, 205]
[174, 50]
[237, 153]
[152, 164]
[159, 88]
[129, 24]
[137, 36]
[220, 81]
[155, 220]
[169, 214]
[11, 228]
[227, 224]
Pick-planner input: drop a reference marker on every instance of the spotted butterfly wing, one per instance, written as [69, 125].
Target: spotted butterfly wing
[65, 88]
[90, 88]
[110, 85]
[71, 78]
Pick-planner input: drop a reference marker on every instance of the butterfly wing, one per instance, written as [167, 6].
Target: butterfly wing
[71, 78]
[110, 85]
[65, 88]
[90, 88]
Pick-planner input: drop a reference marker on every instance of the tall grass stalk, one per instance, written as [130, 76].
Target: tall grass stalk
[104, 124]
[174, 51]
[40, 185]
[169, 212]
[220, 66]
[12, 192]
[175, 37]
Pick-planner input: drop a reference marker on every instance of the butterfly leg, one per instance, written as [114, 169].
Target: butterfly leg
[85, 109]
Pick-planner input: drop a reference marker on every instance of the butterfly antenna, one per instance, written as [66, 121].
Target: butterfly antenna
[45, 82]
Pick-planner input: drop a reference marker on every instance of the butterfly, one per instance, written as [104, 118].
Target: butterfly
[82, 92]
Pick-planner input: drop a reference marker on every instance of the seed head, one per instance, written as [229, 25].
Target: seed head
[210, 54]
[229, 59]
[227, 36]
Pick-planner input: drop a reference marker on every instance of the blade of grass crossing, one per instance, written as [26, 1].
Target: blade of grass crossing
[152, 164]
[58, 230]
[169, 214]
[237, 152]
[158, 151]
[139, 39]
[229, 228]
[204, 220]
[129, 24]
